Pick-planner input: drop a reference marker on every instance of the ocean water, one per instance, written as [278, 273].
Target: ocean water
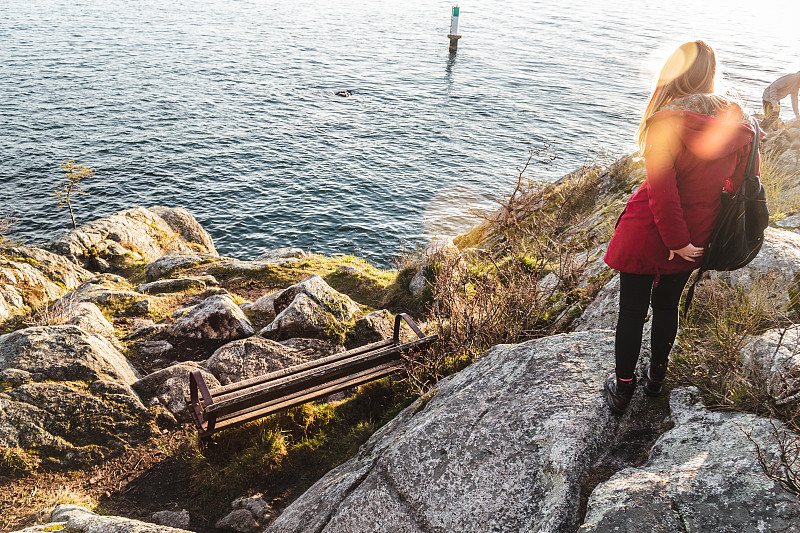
[228, 108]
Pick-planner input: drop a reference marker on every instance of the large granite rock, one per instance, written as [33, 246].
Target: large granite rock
[247, 516]
[281, 253]
[170, 386]
[75, 519]
[66, 396]
[217, 317]
[254, 356]
[501, 446]
[334, 302]
[223, 267]
[30, 277]
[119, 241]
[702, 475]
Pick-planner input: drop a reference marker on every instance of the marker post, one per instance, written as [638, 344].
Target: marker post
[453, 35]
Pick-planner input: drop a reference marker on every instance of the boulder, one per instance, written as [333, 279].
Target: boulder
[266, 303]
[170, 386]
[153, 348]
[281, 253]
[75, 519]
[66, 396]
[502, 446]
[440, 248]
[172, 261]
[247, 515]
[702, 475]
[790, 223]
[374, 327]
[772, 276]
[603, 311]
[339, 305]
[304, 317]
[177, 519]
[30, 277]
[89, 318]
[309, 308]
[217, 318]
[255, 356]
[131, 237]
[239, 520]
[176, 285]
[349, 270]
[145, 331]
[312, 348]
[183, 223]
[776, 354]
[102, 290]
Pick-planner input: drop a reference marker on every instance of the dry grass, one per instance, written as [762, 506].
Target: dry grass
[55, 314]
[709, 357]
[782, 186]
[708, 351]
[783, 467]
[526, 279]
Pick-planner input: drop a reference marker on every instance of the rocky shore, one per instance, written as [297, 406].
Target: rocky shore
[101, 327]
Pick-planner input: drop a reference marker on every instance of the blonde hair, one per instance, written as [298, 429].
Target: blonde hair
[690, 69]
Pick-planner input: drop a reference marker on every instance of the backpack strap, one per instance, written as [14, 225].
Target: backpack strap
[690, 295]
[749, 173]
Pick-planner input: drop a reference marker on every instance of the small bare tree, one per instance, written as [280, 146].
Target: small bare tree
[75, 175]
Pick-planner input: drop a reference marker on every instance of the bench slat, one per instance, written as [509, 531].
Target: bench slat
[246, 383]
[307, 395]
[281, 386]
[250, 399]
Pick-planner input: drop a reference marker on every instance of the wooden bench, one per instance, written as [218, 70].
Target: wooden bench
[250, 399]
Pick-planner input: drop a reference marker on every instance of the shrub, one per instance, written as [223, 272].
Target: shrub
[781, 186]
[73, 184]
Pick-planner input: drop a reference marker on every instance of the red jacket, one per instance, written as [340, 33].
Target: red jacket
[689, 157]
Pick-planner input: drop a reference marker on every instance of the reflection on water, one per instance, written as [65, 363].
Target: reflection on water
[228, 108]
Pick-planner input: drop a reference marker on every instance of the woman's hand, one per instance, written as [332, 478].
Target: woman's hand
[688, 252]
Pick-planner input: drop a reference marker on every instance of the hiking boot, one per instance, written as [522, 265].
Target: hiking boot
[654, 380]
[619, 393]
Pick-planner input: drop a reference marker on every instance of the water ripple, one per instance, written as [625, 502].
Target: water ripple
[228, 108]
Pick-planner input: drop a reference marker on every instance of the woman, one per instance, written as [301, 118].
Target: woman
[695, 143]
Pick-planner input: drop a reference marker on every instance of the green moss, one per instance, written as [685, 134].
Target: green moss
[17, 462]
[20, 259]
[283, 455]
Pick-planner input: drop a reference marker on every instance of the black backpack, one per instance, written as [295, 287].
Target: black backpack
[739, 231]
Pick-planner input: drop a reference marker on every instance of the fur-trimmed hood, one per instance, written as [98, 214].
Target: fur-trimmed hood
[711, 105]
[709, 126]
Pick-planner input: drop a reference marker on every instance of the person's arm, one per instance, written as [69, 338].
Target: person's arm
[794, 103]
[662, 145]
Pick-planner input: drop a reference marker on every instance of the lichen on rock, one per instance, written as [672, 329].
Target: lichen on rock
[67, 396]
[217, 318]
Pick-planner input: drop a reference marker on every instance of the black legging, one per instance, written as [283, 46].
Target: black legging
[636, 291]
